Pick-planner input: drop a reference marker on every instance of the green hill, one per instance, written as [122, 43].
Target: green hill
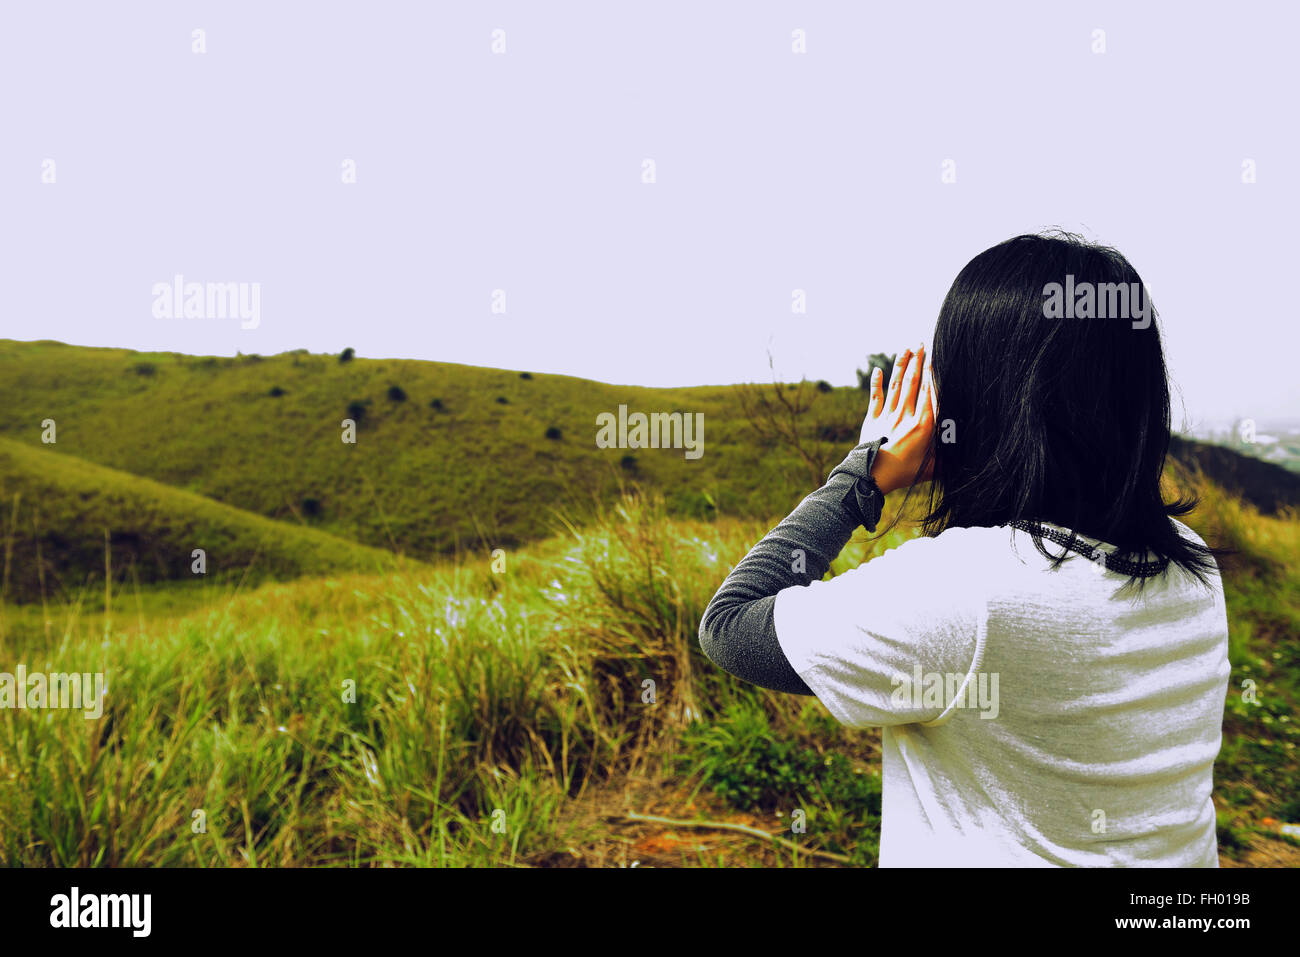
[59, 516]
[1269, 487]
[446, 457]
[264, 434]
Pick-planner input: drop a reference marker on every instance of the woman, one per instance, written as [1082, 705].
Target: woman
[1040, 707]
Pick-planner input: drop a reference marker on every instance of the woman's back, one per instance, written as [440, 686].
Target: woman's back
[1032, 716]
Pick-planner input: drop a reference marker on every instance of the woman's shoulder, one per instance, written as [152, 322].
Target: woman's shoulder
[955, 545]
[1186, 532]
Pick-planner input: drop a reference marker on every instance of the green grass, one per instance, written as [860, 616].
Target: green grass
[506, 699]
[477, 695]
[1258, 772]
[66, 523]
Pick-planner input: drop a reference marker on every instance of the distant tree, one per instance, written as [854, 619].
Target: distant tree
[275, 392]
[357, 409]
[347, 354]
[628, 463]
[502, 400]
[436, 404]
[553, 433]
[396, 393]
[877, 360]
[824, 386]
[311, 507]
[525, 375]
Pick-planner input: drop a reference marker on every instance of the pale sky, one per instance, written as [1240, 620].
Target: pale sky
[522, 171]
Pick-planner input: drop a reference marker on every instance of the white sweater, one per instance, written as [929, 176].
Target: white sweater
[1087, 726]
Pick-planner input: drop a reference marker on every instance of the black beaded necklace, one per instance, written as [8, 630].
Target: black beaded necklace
[1137, 569]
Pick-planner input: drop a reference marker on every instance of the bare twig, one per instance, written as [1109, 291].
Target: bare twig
[776, 415]
[737, 828]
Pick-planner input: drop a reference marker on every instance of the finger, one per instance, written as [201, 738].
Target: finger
[896, 379]
[912, 387]
[877, 401]
[928, 395]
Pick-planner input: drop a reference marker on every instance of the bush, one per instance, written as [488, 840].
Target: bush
[311, 507]
[502, 400]
[744, 761]
[553, 433]
[525, 375]
[396, 393]
[436, 404]
[275, 392]
[357, 409]
[628, 463]
[347, 354]
[837, 433]
[144, 368]
[824, 386]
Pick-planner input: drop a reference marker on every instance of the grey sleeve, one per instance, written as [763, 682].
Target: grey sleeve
[738, 630]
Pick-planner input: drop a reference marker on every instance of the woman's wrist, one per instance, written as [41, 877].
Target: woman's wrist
[885, 470]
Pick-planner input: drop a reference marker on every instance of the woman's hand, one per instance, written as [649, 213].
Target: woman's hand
[906, 417]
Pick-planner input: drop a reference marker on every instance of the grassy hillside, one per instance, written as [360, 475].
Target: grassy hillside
[1269, 487]
[440, 464]
[264, 434]
[477, 692]
[64, 522]
[500, 719]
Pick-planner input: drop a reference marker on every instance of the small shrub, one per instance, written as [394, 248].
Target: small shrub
[837, 433]
[502, 400]
[347, 354]
[396, 393]
[311, 507]
[357, 409]
[145, 369]
[525, 375]
[275, 392]
[824, 386]
[436, 404]
[751, 767]
[628, 463]
[554, 433]
[1230, 833]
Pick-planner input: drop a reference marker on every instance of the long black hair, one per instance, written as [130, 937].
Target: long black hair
[1053, 403]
